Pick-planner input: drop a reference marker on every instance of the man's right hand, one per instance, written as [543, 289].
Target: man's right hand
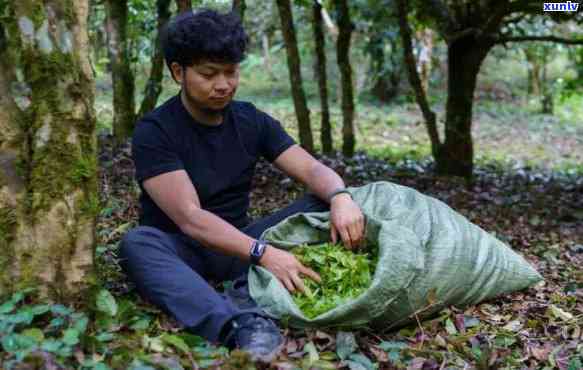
[287, 268]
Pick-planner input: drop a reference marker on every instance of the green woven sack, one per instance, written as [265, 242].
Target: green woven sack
[430, 257]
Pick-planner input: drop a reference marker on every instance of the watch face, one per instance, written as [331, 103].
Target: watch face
[257, 251]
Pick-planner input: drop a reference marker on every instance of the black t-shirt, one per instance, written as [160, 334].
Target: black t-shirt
[220, 160]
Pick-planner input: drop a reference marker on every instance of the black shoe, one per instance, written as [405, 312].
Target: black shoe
[256, 335]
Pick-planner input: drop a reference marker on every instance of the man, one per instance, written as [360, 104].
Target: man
[194, 157]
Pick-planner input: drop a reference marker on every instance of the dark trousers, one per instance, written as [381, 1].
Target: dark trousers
[172, 271]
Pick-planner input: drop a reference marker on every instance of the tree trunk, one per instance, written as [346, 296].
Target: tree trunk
[342, 55]
[534, 73]
[326, 129]
[267, 56]
[48, 179]
[420, 95]
[424, 60]
[293, 63]
[124, 109]
[183, 5]
[154, 85]
[239, 8]
[99, 39]
[547, 93]
[456, 155]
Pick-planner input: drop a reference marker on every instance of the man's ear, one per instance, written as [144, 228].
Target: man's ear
[176, 70]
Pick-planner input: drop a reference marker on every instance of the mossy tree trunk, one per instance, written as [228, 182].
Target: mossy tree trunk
[318, 28]
[48, 180]
[154, 85]
[342, 54]
[122, 76]
[295, 75]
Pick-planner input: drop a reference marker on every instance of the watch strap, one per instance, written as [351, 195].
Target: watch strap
[338, 191]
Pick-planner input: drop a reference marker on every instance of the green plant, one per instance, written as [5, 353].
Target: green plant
[345, 275]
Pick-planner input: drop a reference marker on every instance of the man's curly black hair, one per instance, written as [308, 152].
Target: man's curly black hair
[204, 35]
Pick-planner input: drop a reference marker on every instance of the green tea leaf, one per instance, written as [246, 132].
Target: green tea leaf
[23, 316]
[345, 275]
[34, 333]
[105, 337]
[52, 345]
[17, 342]
[345, 344]
[106, 303]
[7, 307]
[59, 309]
[313, 356]
[40, 309]
[71, 337]
[176, 341]
[362, 360]
[80, 322]
[392, 345]
[450, 327]
[141, 324]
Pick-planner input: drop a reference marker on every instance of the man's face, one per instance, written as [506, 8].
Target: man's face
[208, 86]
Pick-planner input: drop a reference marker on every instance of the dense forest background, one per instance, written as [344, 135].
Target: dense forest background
[477, 103]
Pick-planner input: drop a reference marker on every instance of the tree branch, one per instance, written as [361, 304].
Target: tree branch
[548, 38]
[415, 80]
[441, 13]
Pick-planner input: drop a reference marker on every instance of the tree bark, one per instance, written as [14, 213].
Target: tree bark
[465, 57]
[342, 54]
[326, 129]
[48, 166]
[293, 63]
[239, 7]
[547, 93]
[154, 85]
[124, 109]
[415, 80]
[425, 53]
[183, 5]
[267, 56]
[534, 72]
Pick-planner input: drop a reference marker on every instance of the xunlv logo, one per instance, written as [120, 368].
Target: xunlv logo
[561, 7]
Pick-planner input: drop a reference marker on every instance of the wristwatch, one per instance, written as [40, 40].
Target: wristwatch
[336, 192]
[256, 252]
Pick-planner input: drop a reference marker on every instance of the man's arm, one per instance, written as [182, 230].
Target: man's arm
[175, 194]
[347, 218]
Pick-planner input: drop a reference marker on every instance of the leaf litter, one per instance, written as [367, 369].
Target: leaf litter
[535, 212]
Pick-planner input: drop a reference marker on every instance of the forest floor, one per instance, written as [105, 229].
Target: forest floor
[539, 214]
[527, 191]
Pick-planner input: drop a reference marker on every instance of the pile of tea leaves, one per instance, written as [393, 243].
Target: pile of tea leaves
[345, 275]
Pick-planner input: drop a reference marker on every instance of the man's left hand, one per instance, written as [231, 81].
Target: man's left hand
[346, 220]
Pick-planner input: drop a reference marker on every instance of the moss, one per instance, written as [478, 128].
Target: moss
[8, 224]
[50, 173]
[28, 270]
[68, 9]
[83, 170]
[91, 206]
[54, 168]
